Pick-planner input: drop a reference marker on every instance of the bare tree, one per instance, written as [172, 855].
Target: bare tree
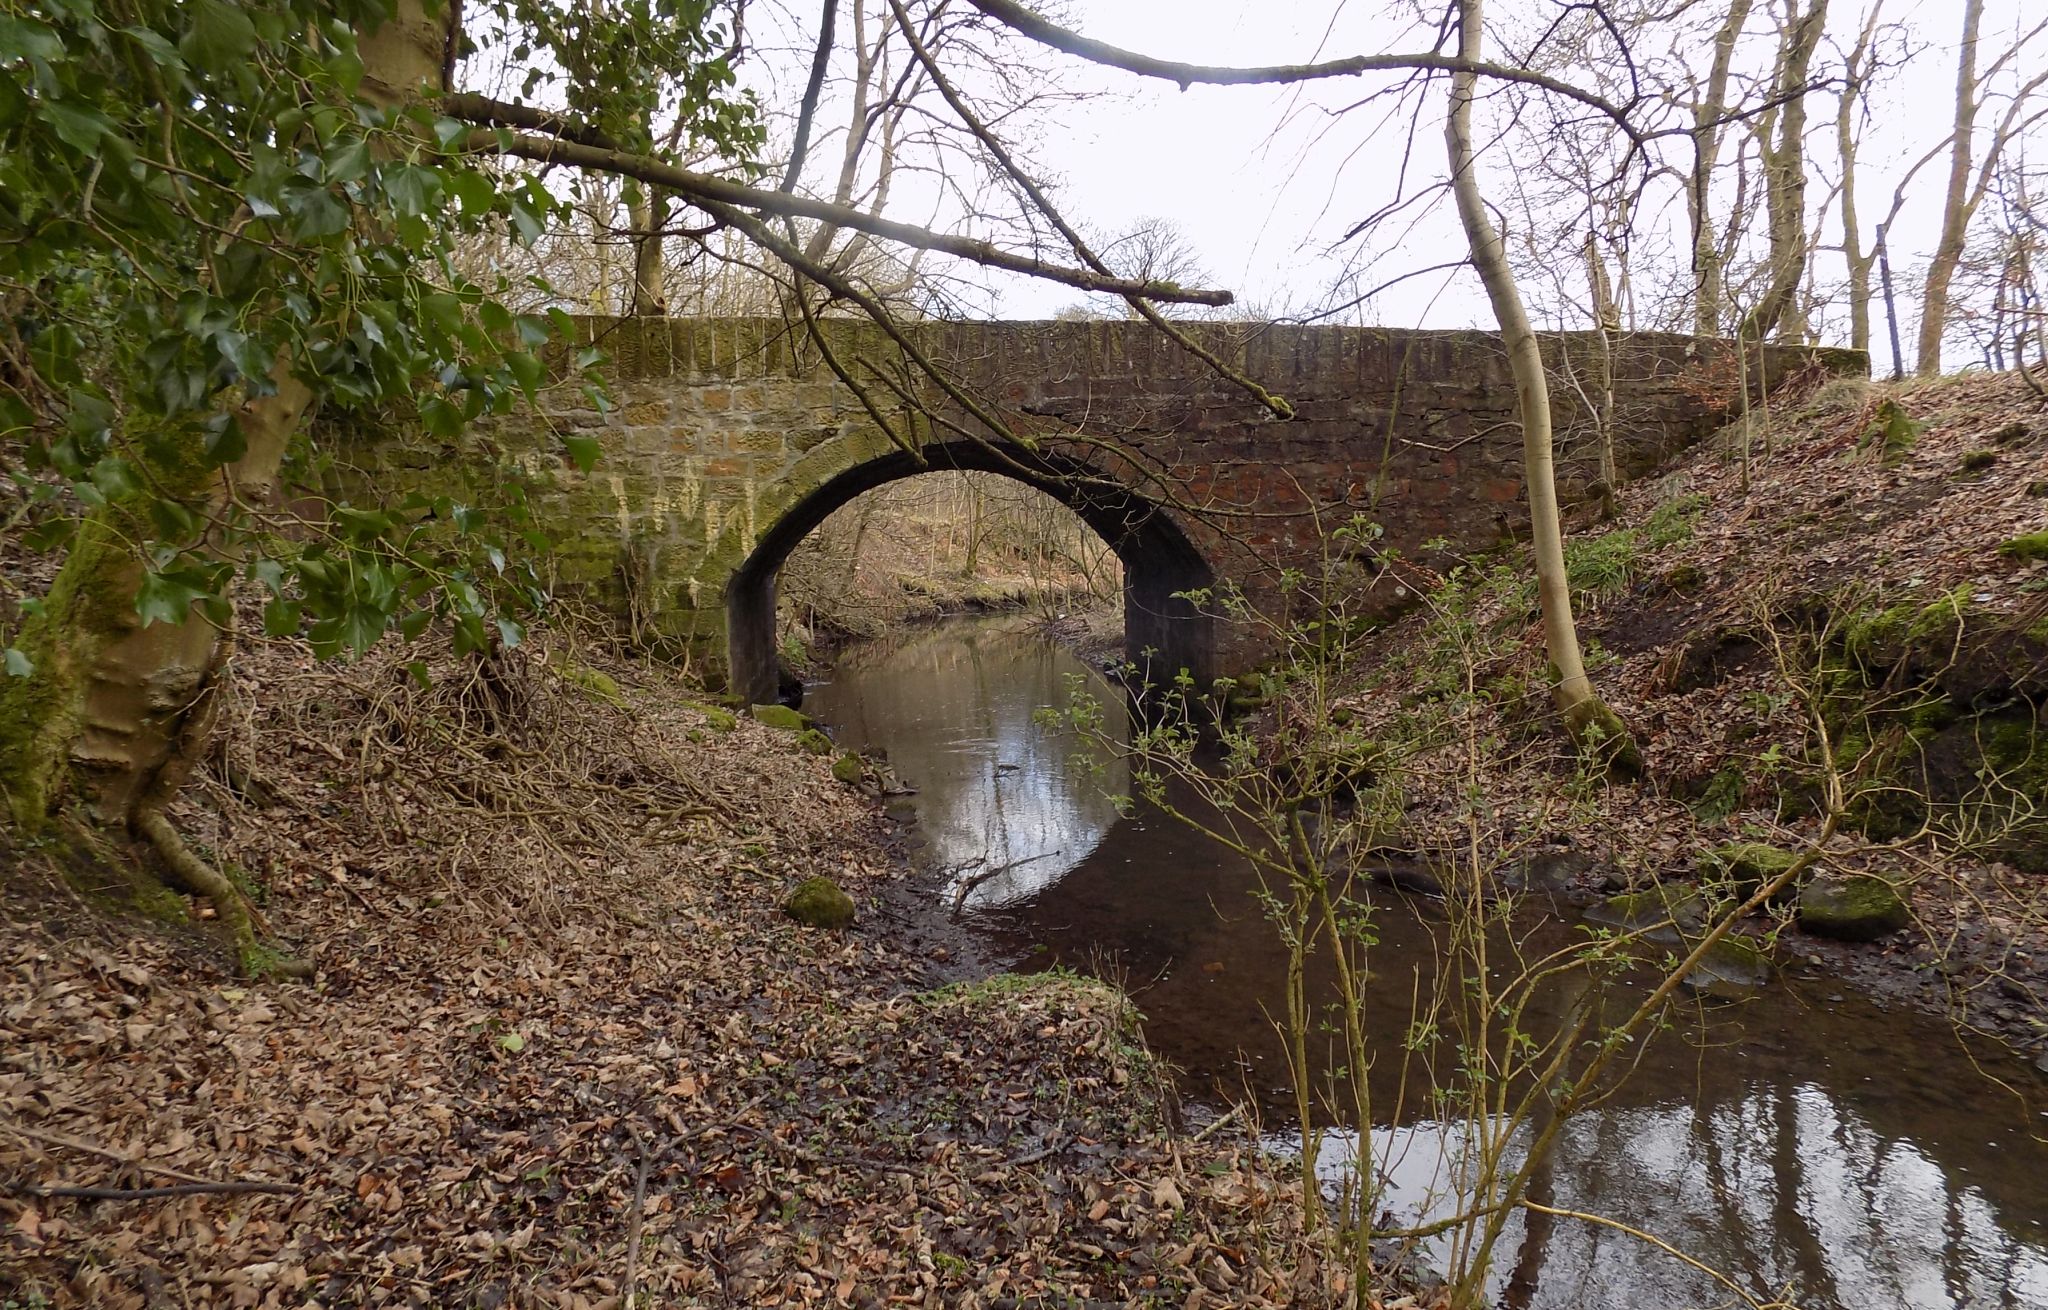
[1710, 119]
[1587, 718]
[1781, 144]
[1965, 191]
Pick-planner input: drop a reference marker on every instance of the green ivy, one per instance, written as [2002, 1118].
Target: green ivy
[199, 199]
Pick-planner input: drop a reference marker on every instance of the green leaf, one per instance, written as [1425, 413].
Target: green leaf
[168, 597]
[18, 664]
[513, 1042]
[161, 52]
[115, 477]
[220, 34]
[361, 626]
[281, 618]
[584, 451]
[225, 440]
[22, 38]
[511, 633]
[79, 128]
[476, 193]
[527, 371]
[349, 159]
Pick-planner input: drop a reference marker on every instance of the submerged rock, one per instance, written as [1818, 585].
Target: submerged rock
[1667, 906]
[1733, 966]
[819, 903]
[1859, 909]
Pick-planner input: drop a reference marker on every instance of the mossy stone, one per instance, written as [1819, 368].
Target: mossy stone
[599, 684]
[1747, 865]
[849, 769]
[1976, 461]
[817, 743]
[819, 903]
[2032, 546]
[1862, 908]
[780, 716]
[1685, 577]
[720, 720]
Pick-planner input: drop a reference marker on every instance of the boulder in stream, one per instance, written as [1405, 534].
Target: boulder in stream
[1862, 908]
[819, 903]
[1663, 905]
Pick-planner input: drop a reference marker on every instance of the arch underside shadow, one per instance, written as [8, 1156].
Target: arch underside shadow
[1163, 633]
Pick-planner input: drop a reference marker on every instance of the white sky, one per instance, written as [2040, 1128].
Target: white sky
[1261, 180]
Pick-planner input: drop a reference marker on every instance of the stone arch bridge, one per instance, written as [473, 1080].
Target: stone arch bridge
[726, 441]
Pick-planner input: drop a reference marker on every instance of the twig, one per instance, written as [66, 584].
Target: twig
[1216, 1123]
[960, 896]
[151, 1193]
[633, 1231]
[90, 1148]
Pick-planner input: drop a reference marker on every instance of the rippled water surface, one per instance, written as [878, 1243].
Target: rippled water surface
[1806, 1139]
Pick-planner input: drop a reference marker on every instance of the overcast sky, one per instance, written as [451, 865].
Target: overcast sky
[1264, 180]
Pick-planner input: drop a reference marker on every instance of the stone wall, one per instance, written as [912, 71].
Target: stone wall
[725, 441]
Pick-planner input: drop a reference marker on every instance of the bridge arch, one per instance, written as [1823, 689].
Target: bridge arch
[1162, 630]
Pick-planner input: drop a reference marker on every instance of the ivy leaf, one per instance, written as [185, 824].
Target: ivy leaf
[168, 597]
[18, 664]
[281, 617]
[527, 371]
[348, 160]
[473, 191]
[584, 451]
[225, 440]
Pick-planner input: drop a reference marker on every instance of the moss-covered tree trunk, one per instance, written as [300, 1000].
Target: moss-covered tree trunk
[105, 726]
[1587, 718]
[99, 719]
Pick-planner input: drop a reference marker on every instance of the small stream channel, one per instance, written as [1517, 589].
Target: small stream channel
[1808, 1141]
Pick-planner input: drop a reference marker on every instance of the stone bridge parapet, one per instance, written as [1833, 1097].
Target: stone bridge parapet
[725, 441]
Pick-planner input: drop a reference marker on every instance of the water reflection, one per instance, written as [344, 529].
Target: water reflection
[955, 707]
[1806, 1139]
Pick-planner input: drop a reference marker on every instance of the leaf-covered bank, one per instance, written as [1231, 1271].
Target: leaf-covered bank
[563, 1047]
[1844, 595]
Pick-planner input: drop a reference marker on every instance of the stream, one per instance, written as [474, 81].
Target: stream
[1809, 1142]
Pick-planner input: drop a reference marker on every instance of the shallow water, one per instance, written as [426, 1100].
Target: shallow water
[1806, 1138]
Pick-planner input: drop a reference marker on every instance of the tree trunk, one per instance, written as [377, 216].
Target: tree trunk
[1859, 261]
[105, 720]
[647, 215]
[1784, 162]
[1955, 213]
[1587, 718]
[1706, 143]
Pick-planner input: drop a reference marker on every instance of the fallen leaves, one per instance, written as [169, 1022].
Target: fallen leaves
[523, 1001]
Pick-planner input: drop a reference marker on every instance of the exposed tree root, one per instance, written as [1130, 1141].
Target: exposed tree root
[202, 879]
[1600, 734]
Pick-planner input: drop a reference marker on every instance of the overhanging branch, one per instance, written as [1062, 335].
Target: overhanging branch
[1040, 29]
[551, 139]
